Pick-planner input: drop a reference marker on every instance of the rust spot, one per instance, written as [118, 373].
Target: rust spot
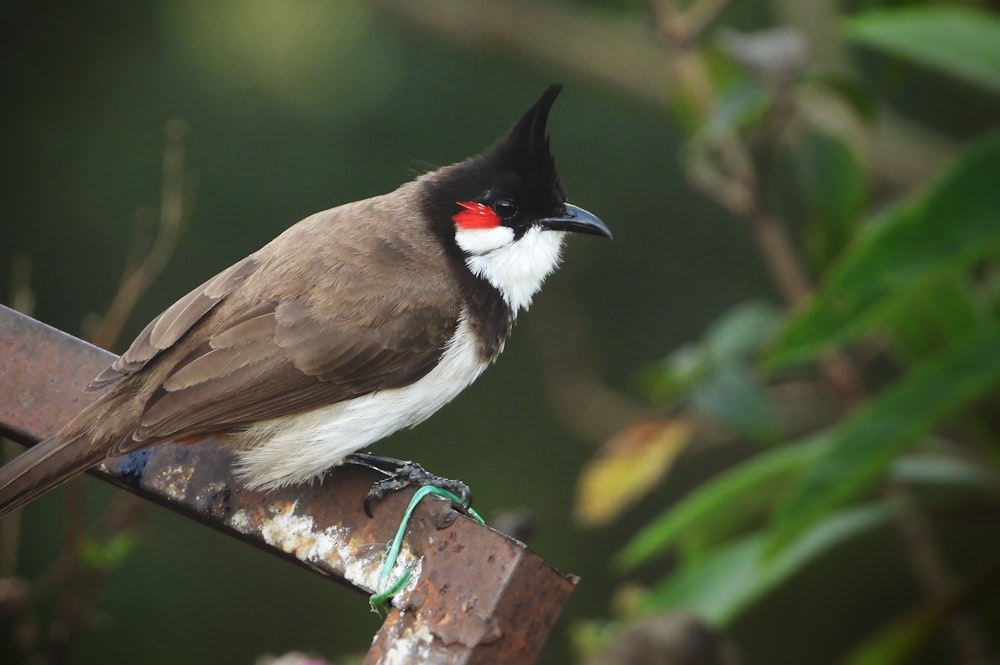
[471, 630]
[445, 519]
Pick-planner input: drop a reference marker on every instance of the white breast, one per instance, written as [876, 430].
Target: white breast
[301, 448]
[516, 268]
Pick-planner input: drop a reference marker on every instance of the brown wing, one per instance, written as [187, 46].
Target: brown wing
[288, 336]
[164, 331]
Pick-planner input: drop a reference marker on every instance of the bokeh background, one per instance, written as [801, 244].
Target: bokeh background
[293, 107]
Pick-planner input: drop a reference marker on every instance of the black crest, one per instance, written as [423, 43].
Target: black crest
[525, 148]
[519, 166]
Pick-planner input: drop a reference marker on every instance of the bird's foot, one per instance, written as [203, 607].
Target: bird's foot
[400, 474]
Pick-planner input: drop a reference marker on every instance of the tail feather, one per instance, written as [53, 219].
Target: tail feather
[43, 467]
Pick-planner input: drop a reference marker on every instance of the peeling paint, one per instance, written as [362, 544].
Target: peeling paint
[413, 644]
[241, 521]
[331, 548]
[173, 481]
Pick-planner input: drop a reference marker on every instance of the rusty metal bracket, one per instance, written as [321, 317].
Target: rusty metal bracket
[477, 596]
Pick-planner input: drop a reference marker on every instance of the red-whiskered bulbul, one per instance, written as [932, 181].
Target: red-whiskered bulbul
[352, 324]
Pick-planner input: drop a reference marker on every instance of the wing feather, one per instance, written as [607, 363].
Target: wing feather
[261, 341]
[166, 329]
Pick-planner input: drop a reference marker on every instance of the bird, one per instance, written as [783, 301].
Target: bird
[350, 325]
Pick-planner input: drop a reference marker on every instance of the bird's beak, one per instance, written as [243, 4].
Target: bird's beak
[576, 220]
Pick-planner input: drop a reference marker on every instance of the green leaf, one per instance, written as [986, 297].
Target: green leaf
[675, 374]
[737, 335]
[742, 331]
[686, 109]
[715, 588]
[945, 470]
[721, 585]
[859, 450]
[924, 321]
[109, 554]
[741, 106]
[952, 226]
[725, 504]
[733, 397]
[742, 100]
[833, 186]
[959, 41]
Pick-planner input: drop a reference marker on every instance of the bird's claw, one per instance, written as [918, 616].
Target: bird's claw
[400, 474]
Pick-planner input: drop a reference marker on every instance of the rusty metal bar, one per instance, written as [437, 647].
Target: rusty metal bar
[477, 596]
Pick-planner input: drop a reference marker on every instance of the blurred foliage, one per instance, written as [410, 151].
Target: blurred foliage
[627, 467]
[963, 42]
[904, 328]
[714, 376]
[817, 479]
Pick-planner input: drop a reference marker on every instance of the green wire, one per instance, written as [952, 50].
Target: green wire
[381, 597]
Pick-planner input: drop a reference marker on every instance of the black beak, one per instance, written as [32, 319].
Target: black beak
[576, 220]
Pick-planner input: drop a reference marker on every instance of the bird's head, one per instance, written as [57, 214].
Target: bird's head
[506, 208]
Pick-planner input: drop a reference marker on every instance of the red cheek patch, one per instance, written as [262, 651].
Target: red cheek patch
[476, 216]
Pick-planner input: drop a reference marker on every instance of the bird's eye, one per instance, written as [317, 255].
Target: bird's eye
[505, 208]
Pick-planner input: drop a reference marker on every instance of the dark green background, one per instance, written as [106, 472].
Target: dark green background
[296, 107]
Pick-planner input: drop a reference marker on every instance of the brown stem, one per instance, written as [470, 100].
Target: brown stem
[780, 257]
[138, 279]
[732, 180]
[934, 575]
[682, 28]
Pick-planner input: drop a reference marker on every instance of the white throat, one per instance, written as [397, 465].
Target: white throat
[516, 268]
